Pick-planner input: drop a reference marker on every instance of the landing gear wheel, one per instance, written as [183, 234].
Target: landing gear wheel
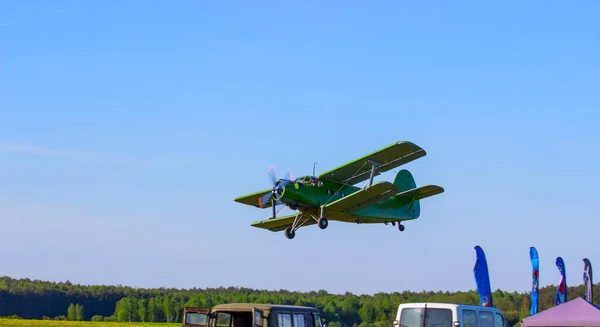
[400, 227]
[323, 223]
[289, 233]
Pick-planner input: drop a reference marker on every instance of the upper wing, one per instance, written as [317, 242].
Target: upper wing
[388, 158]
[281, 223]
[364, 197]
[252, 199]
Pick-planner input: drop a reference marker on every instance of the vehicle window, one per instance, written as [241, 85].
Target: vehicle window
[195, 318]
[284, 320]
[486, 319]
[499, 321]
[298, 320]
[223, 319]
[433, 317]
[411, 317]
[438, 318]
[469, 318]
[317, 320]
[258, 318]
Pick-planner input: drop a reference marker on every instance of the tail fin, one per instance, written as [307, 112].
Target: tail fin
[403, 206]
[404, 180]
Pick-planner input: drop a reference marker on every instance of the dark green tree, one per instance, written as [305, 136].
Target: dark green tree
[166, 307]
[79, 312]
[72, 312]
[151, 310]
[142, 309]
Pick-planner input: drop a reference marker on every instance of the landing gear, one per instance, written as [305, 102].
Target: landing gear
[400, 227]
[323, 223]
[301, 218]
[289, 233]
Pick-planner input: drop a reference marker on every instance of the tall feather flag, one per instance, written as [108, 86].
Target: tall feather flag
[482, 278]
[587, 280]
[535, 264]
[561, 290]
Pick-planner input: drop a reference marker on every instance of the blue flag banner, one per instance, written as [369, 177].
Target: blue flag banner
[535, 265]
[561, 290]
[588, 282]
[482, 278]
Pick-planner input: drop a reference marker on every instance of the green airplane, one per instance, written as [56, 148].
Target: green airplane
[333, 196]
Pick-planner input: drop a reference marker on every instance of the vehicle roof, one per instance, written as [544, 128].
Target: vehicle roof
[261, 306]
[445, 305]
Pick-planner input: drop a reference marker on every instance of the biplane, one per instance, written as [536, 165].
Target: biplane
[333, 194]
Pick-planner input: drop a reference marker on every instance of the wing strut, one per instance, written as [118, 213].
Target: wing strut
[374, 165]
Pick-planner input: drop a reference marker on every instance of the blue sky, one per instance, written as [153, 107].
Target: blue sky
[128, 127]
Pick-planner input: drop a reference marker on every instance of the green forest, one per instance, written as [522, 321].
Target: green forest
[34, 299]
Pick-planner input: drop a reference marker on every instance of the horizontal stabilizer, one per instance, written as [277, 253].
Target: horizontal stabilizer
[281, 223]
[364, 197]
[421, 192]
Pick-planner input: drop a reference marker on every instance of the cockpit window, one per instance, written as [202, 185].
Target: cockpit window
[309, 180]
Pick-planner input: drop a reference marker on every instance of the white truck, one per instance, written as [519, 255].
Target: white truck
[429, 314]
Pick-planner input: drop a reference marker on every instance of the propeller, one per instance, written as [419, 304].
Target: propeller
[276, 191]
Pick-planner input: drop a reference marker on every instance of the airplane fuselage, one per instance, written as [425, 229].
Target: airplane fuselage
[309, 193]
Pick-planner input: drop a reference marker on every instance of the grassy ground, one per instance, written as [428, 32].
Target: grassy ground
[60, 323]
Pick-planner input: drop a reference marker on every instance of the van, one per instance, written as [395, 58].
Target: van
[253, 315]
[448, 315]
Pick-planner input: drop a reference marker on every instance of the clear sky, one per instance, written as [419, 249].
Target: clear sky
[127, 127]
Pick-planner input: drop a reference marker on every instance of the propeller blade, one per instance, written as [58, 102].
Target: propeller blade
[263, 199]
[282, 207]
[273, 205]
[290, 171]
[271, 172]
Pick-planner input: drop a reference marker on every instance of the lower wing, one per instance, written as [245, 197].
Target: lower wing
[281, 223]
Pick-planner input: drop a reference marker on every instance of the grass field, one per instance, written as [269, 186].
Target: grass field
[60, 323]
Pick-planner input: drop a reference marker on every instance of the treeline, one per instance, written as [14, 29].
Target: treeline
[34, 299]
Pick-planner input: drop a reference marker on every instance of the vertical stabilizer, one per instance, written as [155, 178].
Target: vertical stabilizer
[404, 180]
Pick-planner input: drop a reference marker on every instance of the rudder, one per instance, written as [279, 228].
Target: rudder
[404, 180]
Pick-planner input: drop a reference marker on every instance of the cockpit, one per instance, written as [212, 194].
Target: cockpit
[308, 180]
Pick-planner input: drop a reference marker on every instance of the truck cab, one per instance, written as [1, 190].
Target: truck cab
[448, 315]
[253, 315]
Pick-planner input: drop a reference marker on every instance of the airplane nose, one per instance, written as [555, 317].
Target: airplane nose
[279, 189]
[284, 186]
